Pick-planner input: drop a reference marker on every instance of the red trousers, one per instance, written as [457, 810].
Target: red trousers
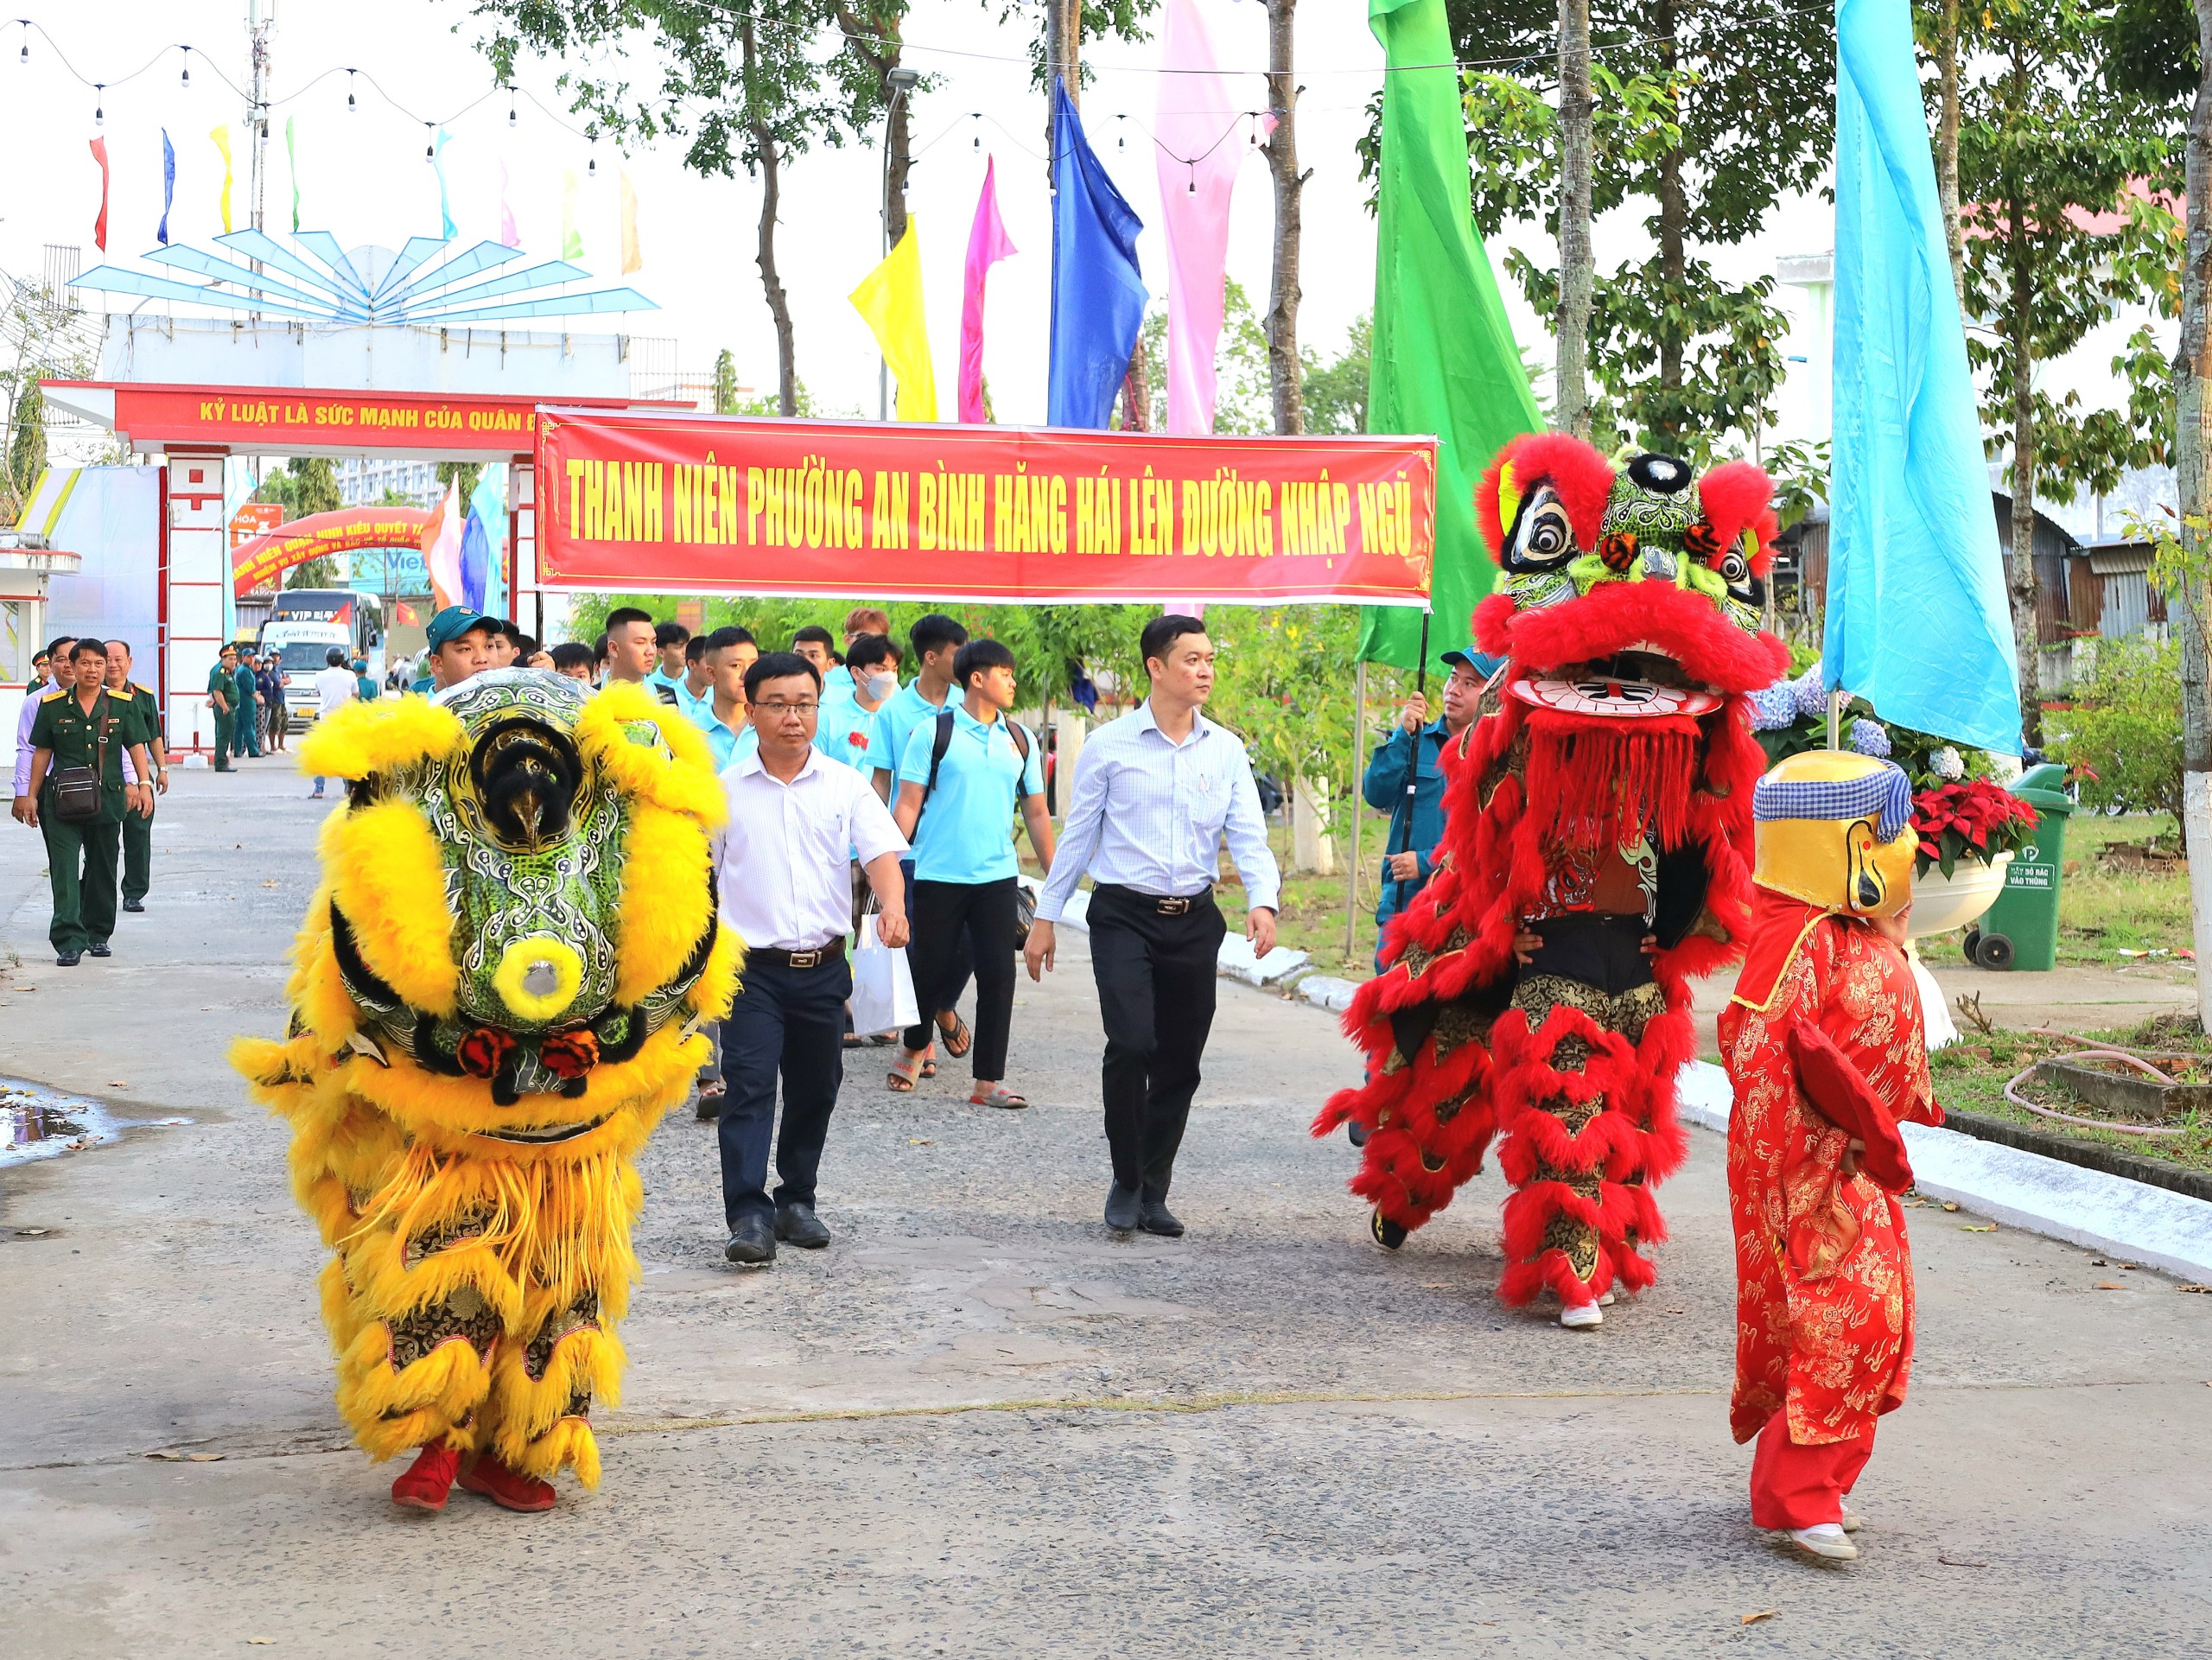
[1800, 1487]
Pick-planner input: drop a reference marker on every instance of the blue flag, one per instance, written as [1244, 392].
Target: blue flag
[1098, 295]
[168, 186]
[1918, 623]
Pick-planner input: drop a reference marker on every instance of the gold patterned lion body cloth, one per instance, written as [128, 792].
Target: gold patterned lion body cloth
[497, 993]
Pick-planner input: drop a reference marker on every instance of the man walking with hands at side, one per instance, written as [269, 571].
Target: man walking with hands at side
[796, 817]
[1155, 793]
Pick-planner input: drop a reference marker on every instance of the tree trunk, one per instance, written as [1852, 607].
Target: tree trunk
[2026, 635]
[1673, 218]
[867, 42]
[2193, 470]
[763, 141]
[1946, 145]
[1136, 392]
[1285, 378]
[1570, 376]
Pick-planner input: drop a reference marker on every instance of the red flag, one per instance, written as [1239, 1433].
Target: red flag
[100, 225]
[406, 615]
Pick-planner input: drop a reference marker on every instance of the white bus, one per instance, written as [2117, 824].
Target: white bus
[306, 624]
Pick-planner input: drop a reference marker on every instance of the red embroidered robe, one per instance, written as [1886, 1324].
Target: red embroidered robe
[1824, 1322]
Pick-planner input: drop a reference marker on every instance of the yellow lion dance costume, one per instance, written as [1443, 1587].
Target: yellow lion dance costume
[497, 991]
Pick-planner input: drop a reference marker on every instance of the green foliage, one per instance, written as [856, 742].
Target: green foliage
[26, 455]
[303, 485]
[321, 571]
[1713, 116]
[725, 383]
[2123, 734]
[1123, 19]
[466, 472]
[2044, 144]
[2147, 49]
[1335, 394]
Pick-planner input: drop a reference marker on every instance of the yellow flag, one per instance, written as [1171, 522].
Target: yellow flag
[890, 299]
[632, 259]
[222, 137]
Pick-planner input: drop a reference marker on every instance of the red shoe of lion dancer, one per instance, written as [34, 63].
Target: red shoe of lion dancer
[1596, 857]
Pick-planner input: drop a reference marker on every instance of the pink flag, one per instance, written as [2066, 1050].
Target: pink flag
[986, 245]
[442, 549]
[1198, 145]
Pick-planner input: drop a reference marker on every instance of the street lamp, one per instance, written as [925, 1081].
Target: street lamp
[901, 82]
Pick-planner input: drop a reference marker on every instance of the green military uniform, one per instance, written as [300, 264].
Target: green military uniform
[138, 828]
[81, 858]
[219, 679]
[246, 738]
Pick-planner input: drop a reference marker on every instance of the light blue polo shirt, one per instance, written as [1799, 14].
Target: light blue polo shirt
[966, 834]
[846, 731]
[697, 710]
[729, 747]
[904, 710]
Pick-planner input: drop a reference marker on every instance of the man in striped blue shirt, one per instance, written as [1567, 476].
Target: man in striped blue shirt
[1155, 794]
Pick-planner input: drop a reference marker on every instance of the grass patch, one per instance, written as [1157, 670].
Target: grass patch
[2108, 903]
[1970, 1076]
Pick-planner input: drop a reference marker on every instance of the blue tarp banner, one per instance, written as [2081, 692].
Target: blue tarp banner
[1098, 295]
[1918, 623]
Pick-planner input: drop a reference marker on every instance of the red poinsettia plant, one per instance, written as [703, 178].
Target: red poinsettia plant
[1978, 819]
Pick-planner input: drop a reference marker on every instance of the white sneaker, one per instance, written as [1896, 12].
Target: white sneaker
[1581, 1317]
[1826, 1541]
[1851, 1520]
[1605, 1302]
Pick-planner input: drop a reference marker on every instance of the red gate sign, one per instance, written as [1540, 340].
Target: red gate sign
[261, 559]
[718, 504]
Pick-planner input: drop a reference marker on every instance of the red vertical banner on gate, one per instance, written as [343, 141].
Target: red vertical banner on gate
[717, 504]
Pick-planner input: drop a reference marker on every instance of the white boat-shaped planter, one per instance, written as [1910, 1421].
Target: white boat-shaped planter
[1941, 903]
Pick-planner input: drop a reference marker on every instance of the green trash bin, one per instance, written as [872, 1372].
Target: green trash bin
[2021, 930]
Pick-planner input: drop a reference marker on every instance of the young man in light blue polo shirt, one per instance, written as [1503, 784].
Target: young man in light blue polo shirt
[852, 696]
[694, 692]
[961, 777]
[669, 640]
[723, 714]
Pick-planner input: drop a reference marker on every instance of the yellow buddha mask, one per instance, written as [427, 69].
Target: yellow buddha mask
[1834, 830]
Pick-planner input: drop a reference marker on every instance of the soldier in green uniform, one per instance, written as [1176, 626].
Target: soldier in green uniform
[246, 737]
[223, 698]
[83, 726]
[138, 827]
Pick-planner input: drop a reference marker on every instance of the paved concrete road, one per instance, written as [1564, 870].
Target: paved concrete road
[978, 1426]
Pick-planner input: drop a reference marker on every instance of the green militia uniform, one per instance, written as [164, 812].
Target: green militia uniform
[84, 904]
[138, 828]
[219, 680]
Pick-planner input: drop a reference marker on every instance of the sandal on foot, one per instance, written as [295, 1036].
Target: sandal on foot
[900, 1079]
[929, 1062]
[956, 1037]
[999, 1095]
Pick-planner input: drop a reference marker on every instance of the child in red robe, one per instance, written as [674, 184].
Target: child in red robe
[1823, 1044]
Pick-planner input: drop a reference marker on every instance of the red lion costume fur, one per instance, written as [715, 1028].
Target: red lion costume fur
[1628, 611]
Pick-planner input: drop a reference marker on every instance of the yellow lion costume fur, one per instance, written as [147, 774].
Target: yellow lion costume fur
[497, 994]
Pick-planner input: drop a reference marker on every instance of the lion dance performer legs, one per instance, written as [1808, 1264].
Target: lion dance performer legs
[497, 992]
[1823, 1043]
[1596, 829]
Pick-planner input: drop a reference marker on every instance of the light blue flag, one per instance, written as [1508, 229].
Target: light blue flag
[1917, 619]
[438, 165]
[483, 544]
[1098, 295]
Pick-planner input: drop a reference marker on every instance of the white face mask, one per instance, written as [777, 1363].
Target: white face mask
[880, 686]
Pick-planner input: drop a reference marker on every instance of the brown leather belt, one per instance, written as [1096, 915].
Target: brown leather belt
[1169, 906]
[821, 957]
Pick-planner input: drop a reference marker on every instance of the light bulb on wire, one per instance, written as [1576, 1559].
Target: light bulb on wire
[978, 141]
[99, 115]
[511, 109]
[350, 107]
[186, 81]
[429, 151]
[1119, 142]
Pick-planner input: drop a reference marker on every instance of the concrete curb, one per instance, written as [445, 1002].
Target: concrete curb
[2168, 1230]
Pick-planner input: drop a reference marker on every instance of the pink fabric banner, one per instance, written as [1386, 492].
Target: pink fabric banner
[988, 243]
[1198, 148]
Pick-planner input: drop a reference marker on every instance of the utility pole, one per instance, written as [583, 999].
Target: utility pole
[901, 82]
[260, 23]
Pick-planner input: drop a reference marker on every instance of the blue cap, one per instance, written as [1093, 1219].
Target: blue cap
[451, 623]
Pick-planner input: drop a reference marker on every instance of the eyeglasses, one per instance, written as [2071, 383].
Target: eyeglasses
[777, 706]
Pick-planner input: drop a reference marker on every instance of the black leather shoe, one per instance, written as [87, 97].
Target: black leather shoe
[752, 1242]
[1355, 1132]
[798, 1224]
[68, 959]
[99, 948]
[133, 906]
[1122, 1207]
[1388, 1235]
[1154, 1217]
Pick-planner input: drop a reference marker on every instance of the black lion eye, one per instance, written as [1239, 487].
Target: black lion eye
[1734, 571]
[1543, 535]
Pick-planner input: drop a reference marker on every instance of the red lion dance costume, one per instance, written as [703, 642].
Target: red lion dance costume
[1599, 812]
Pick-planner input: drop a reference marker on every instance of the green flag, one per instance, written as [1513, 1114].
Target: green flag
[1445, 360]
[292, 164]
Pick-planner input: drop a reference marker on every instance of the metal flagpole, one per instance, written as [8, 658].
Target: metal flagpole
[1413, 766]
[1358, 743]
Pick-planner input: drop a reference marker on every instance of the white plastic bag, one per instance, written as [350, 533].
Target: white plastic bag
[883, 986]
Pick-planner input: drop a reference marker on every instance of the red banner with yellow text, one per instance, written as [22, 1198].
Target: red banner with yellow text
[719, 503]
[260, 559]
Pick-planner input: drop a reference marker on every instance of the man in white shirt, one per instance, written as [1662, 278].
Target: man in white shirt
[1155, 794]
[795, 818]
[335, 686]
